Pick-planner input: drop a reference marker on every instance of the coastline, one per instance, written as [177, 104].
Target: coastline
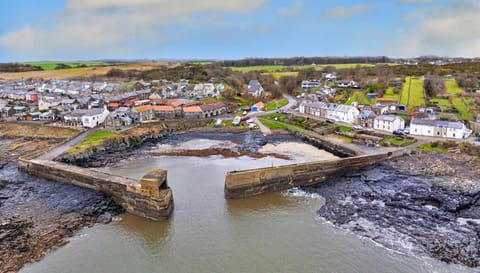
[428, 201]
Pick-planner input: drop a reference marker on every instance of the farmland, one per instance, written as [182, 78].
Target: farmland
[280, 68]
[51, 65]
[78, 72]
[278, 75]
[412, 92]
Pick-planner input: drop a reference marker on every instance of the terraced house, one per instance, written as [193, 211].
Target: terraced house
[439, 128]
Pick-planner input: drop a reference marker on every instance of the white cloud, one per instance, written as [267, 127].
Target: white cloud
[107, 28]
[293, 10]
[346, 12]
[451, 30]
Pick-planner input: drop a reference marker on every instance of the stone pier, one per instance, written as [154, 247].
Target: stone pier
[239, 184]
[151, 197]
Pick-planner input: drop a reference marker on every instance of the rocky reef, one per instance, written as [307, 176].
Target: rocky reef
[37, 215]
[424, 203]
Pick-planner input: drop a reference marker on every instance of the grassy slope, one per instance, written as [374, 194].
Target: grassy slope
[275, 104]
[454, 90]
[416, 97]
[93, 139]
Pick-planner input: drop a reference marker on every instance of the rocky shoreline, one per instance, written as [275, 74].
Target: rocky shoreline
[37, 215]
[425, 203]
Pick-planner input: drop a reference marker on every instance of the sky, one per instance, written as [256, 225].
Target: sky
[33, 30]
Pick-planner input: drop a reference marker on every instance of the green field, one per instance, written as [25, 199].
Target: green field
[273, 105]
[279, 68]
[389, 94]
[278, 75]
[412, 92]
[458, 102]
[51, 65]
[267, 68]
[93, 139]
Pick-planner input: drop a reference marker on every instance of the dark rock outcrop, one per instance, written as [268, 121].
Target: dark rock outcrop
[429, 209]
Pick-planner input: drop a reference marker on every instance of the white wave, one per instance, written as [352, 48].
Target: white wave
[297, 192]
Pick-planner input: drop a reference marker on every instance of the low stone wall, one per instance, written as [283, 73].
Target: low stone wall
[239, 184]
[113, 149]
[126, 192]
[336, 149]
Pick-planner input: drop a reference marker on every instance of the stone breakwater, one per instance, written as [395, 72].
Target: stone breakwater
[239, 184]
[425, 203]
[150, 198]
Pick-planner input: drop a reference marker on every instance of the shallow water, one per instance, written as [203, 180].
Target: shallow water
[271, 233]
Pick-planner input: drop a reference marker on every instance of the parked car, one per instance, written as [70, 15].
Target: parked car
[477, 139]
[399, 133]
[407, 130]
[330, 120]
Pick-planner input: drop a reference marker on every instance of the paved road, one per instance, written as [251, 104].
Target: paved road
[64, 147]
[264, 129]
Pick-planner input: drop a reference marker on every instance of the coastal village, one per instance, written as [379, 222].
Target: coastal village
[122, 105]
[68, 129]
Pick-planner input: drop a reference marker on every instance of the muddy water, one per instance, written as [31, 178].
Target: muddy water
[272, 233]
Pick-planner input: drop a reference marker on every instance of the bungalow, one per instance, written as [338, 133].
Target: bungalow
[255, 88]
[439, 128]
[192, 112]
[344, 113]
[310, 84]
[257, 107]
[388, 123]
[143, 113]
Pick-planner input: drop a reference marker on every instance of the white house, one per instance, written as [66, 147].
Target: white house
[45, 104]
[439, 128]
[344, 113]
[388, 123]
[205, 90]
[94, 117]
